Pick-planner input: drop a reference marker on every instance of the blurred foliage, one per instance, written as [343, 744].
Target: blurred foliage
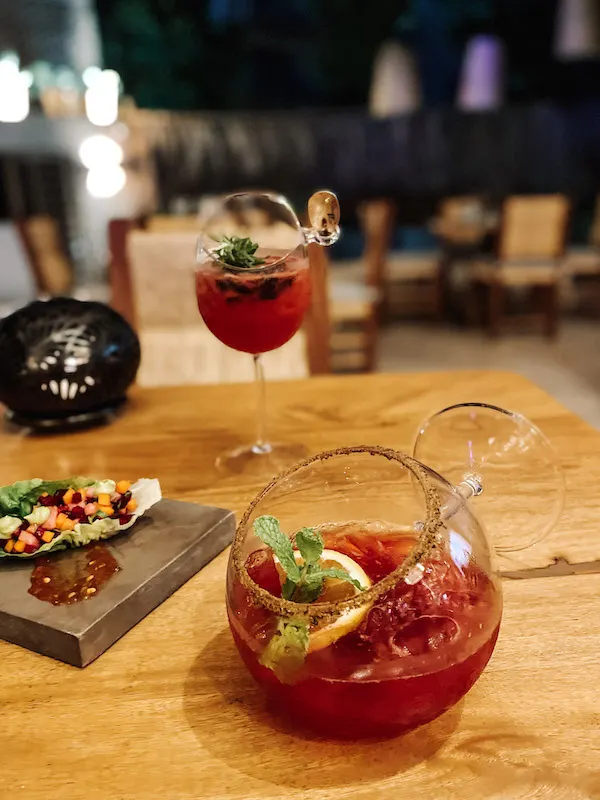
[179, 54]
[258, 54]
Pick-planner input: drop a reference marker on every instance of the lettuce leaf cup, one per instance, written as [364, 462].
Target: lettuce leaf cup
[39, 517]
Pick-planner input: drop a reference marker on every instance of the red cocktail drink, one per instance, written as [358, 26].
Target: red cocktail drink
[253, 287]
[254, 310]
[397, 663]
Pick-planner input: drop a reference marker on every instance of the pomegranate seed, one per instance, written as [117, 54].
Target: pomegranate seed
[76, 498]
[124, 500]
[24, 526]
[46, 501]
[31, 548]
[77, 512]
[125, 518]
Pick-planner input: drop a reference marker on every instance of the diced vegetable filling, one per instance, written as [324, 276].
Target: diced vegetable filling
[63, 510]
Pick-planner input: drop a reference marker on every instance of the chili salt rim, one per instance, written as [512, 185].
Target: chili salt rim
[321, 612]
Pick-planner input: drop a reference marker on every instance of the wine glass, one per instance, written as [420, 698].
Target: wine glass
[407, 615]
[253, 287]
[505, 461]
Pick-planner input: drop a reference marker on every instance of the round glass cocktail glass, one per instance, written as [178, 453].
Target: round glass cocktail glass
[253, 286]
[405, 647]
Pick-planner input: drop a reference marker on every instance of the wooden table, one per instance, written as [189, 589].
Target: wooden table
[170, 713]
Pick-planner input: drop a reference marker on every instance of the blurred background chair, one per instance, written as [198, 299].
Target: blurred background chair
[582, 267]
[530, 249]
[177, 347]
[52, 269]
[17, 282]
[409, 277]
[462, 221]
[355, 292]
[166, 223]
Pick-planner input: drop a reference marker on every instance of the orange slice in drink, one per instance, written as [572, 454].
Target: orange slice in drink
[335, 590]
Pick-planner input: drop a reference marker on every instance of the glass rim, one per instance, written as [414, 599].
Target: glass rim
[275, 197]
[426, 541]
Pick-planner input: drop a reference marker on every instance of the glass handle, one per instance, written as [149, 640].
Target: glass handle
[324, 218]
[470, 486]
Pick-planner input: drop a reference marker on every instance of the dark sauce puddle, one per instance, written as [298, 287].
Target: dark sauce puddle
[64, 581]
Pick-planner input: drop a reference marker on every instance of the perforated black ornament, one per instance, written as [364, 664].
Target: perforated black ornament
[65, 359]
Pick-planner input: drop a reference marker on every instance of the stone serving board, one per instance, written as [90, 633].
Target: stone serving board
[165, 547]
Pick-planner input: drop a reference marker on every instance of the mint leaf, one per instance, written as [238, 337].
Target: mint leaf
[288, 589]
[310, 544]
[268, 531]
[312, 582]
[238, 251]
[286, 651]
[311, 585]
[340, 575]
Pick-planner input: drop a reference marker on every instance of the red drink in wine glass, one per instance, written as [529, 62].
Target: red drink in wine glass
[254, 311]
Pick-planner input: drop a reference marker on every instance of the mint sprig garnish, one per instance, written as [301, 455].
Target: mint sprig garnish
[304, 581]
[238, 252]
[286, 651]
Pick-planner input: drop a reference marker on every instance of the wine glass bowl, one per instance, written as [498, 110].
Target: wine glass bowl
[405, 646]
[258, 308]
[505, 460]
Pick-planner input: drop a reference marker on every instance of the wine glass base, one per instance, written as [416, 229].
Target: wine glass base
[262, 461]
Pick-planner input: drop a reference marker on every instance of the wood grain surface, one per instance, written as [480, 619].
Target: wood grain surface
[169, 711]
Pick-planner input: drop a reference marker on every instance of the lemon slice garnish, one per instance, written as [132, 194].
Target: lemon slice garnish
[334, 591]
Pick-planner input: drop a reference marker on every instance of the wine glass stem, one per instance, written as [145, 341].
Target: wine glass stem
[260, 446]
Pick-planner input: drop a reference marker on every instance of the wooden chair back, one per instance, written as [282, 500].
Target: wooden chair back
[377, 220]
[317, 323]
[161, 269]
[460, 208]
[119, 278]
[51, 268]
[173, 223]
[595, 229]
[460, 219]
[533, 227]
[157, 270]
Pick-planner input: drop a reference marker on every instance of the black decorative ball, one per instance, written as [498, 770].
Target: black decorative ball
[64, 359]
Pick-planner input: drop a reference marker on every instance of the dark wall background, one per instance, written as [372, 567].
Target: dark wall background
[61, 32]
[262, 54]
